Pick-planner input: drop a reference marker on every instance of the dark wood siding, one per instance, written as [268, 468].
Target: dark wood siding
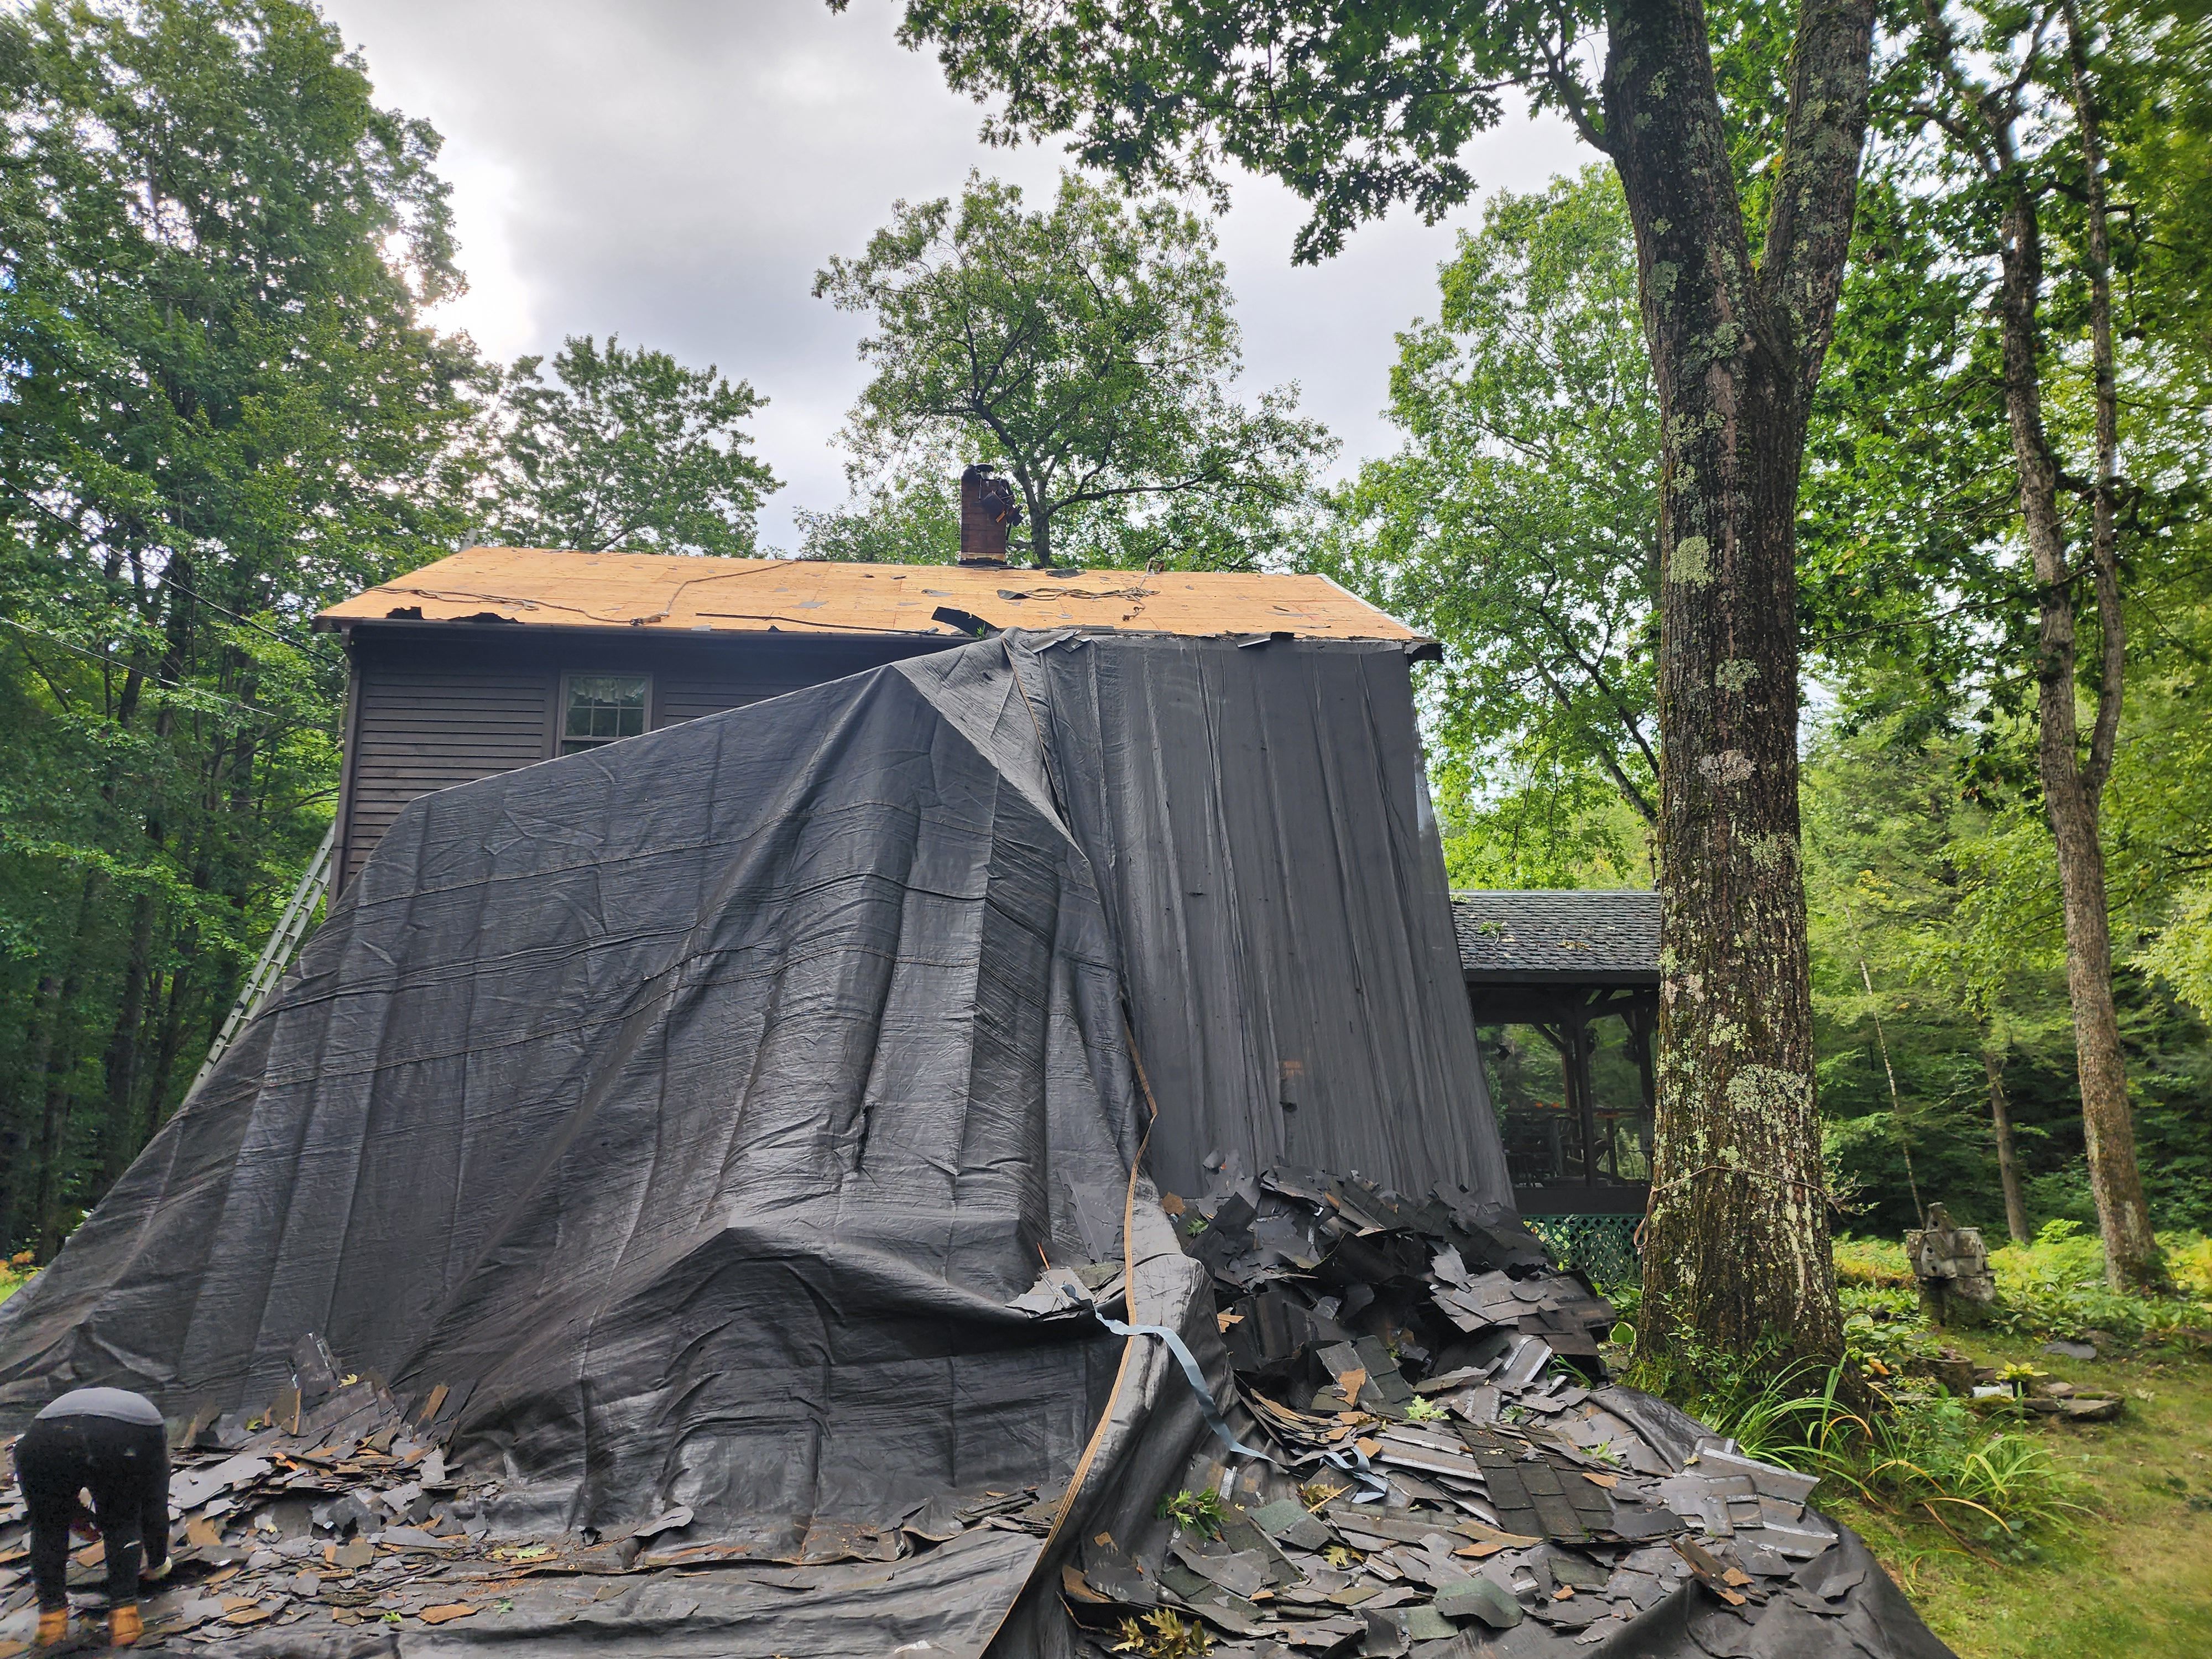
[678, 698]
[440, 704]
[425, 727]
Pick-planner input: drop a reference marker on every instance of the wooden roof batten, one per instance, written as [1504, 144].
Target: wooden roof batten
[676, 594]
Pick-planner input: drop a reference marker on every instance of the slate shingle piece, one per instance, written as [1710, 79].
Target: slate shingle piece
[1449, 1477]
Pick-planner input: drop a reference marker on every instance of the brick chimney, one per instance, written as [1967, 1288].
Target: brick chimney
[988, 512]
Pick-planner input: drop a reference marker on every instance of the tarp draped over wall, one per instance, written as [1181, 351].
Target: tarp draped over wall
[701, 1101]
[1259, 820]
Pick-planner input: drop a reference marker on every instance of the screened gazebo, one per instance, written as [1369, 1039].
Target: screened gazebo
[1565, 989]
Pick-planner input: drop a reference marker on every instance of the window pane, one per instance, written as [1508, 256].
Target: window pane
[601, 709]
[1543, 1135]
[1621, 1099]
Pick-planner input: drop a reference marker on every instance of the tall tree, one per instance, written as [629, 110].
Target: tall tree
[1519, 522]
[911, 516]
[1360, 107]
[628, 449]
[2073, 780]
[222, 410]
[1089, 350]
[1983, 429]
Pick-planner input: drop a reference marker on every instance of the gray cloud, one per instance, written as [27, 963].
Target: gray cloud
[676, 171]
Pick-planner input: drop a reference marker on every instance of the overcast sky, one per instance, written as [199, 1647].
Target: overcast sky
[676, 171]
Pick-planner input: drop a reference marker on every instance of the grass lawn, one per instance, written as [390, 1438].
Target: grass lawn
[2136, 1577]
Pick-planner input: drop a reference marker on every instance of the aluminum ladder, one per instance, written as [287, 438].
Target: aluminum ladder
[276, 956]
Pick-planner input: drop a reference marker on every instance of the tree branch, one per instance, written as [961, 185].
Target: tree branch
[1809, 224]
[1606, 758]
[2104, 531]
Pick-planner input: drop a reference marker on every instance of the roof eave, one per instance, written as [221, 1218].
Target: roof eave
[1623, 979]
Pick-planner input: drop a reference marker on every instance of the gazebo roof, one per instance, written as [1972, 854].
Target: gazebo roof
[1594, 935]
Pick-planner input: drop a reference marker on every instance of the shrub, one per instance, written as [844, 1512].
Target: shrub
[2189, 1259]
[1989, 1486]
[2056, 1286]
[1194, 1511]
[1873, 1262]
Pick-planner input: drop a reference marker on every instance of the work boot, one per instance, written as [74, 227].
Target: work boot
[124, 1626]
[54, 1625]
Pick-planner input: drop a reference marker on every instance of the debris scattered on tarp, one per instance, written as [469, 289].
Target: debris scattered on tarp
[336, 1510]
[702, 1102]
[1448, 1475]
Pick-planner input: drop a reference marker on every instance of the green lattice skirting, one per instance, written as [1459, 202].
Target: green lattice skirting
[1602, 1246]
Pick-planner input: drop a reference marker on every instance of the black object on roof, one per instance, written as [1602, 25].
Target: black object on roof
[1599, 936]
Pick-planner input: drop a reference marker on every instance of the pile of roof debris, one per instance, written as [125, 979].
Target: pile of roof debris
[332, 1525]
[1427, 1461]
[1441, 1470]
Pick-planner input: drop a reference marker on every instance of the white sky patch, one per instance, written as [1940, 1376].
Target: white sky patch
[675, 172]
[498, 311]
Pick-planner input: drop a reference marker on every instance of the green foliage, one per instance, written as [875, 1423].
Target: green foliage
[1992, 1488]
[222, 410]
[1518, 523]
[2181, 952]
[1355, 108]
[912, 518]
[1164, 1635]
[2161, 791]
[1088, 350]
[1421, 1410]
[1921, 606]
[1938, 886]
[15, 1273]
[628, 449]
[1877, 1262]
[2056, 1287]
[2053, 1287]
[1995, 1487]
[1194, 1511]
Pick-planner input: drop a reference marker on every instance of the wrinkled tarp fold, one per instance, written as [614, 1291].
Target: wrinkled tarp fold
[702, 1100]
[699, 1104]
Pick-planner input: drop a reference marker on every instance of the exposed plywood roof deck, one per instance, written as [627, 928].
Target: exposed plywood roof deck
[676, 594]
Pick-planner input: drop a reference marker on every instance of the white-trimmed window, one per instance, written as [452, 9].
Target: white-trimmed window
[597, 709]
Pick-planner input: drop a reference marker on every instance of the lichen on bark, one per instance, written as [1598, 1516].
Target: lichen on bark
[1737, 1246]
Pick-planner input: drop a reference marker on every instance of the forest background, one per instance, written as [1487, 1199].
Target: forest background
[221, 408]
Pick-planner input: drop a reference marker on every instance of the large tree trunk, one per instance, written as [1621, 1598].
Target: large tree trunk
[1737, 1249]
[1040, 531]
[2072, 789]
[2007, 1166]
[2131, 1253]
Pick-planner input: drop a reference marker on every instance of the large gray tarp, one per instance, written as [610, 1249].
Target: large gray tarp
[1259, 820]
[700, 1103]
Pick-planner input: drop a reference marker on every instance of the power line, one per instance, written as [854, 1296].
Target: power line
[134, 668]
